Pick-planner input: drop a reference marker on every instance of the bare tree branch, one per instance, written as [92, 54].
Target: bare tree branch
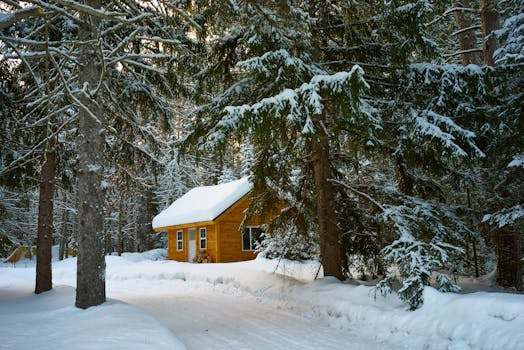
[8, 19]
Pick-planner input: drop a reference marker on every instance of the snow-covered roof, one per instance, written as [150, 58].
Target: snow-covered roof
[204, 203]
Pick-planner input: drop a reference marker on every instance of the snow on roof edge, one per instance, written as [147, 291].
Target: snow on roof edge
[204, 203]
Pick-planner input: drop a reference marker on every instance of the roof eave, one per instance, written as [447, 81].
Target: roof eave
[200, 223]
[186, 225]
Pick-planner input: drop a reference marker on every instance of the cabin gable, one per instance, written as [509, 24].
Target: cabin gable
[223, 238]
[220, 236]
[228, 225]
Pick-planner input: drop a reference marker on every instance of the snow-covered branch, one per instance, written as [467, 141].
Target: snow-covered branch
[8, 19]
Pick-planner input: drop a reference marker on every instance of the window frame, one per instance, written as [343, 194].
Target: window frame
[251, 240]
[204, 240]
[180, 239]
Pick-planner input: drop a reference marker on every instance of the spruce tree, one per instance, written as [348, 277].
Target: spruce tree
[291, 109]
[319, 137]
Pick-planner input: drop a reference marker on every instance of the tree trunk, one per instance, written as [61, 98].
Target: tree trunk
[490, 22]
[45, 221]
[331, 250]
[468, 39]
[151, 212]
[63, 237]
[143, 223]
[108, 243]
[120, 239]
[90, 290]
[473, 239]
[330, 244]
[61, 248]
[146, 212]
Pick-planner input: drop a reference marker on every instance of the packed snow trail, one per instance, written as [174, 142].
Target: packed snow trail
[50, 321]
[222, 322]
[243, 306]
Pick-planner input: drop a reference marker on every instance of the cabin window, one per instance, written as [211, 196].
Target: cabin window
[250, 237]
[179, 240]
[203, 238]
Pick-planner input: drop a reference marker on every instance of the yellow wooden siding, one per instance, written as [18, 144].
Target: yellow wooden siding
[19, 253]
[211, 242]
[174, 254]
[230, 243]
[224, 239]
[230, 247]
[235, 213]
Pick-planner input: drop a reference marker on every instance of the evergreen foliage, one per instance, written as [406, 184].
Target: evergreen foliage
[84, 62]
[400, 140]
[355, 118]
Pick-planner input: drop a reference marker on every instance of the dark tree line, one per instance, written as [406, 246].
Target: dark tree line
[392, 131]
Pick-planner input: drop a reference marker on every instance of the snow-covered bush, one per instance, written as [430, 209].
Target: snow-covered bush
[289, 244]
[446, 284]
[363, 267]
[153, 255]
[429, 238]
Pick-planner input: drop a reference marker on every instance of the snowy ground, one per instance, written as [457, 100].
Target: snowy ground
[243, 306]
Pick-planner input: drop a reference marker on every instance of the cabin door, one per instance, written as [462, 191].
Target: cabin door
[191, 244]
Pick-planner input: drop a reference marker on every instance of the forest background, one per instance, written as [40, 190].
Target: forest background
[392, 130]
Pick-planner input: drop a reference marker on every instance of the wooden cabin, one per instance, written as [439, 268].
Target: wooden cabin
[21, 252]
[205, 222]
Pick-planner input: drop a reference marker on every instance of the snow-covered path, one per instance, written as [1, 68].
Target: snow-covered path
[218, 321]
[243, 306]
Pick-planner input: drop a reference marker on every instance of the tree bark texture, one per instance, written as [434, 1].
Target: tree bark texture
[108, 244]
[120, 234]
[90, 290]
[473, 239]
[151, 212]
[44, 243]
[509, 264]
[467, 40]
[143, 222]
[146, 213]
[510, 250]
[63, 237]
[330, 244]
[490, 22]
